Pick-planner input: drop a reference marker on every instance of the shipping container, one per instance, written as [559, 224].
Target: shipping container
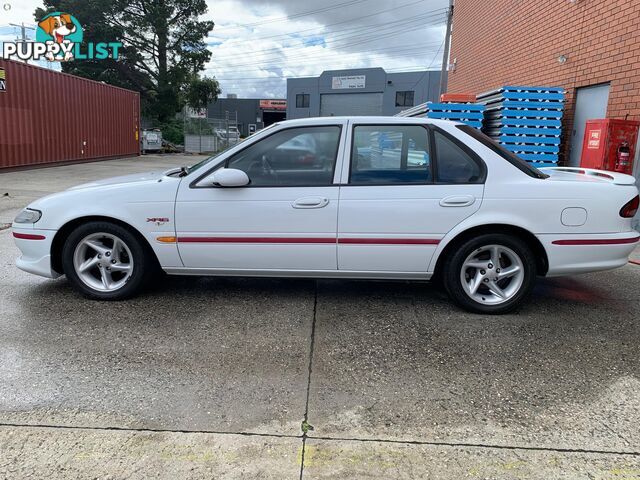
[49, 117]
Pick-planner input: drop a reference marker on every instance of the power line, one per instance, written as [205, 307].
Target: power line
[336, 45]
[328, 56]
[406, 69]
[302, 14]
[360, 30]
[359, 18]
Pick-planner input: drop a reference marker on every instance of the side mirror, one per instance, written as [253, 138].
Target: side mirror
[230, 177]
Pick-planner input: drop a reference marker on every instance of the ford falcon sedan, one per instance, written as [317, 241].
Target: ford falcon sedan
[357, 198]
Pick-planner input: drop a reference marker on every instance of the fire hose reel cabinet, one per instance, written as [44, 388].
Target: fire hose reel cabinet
[610, 144]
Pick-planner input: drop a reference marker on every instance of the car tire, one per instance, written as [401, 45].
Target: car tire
[105, 261]
[476, 283]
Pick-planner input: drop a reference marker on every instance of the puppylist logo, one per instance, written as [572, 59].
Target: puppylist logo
[59, 39]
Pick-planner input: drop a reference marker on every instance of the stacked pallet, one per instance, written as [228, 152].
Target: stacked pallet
[470, 113]
[526, 121]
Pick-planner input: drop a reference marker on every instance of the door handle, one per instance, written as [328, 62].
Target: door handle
[310, 202]
[458, 201]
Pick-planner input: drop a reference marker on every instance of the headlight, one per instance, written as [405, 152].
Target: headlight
[28, 215]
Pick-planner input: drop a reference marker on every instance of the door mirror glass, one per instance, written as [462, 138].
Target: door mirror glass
[230, 177]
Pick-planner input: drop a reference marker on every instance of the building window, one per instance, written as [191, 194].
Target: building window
[302, 100]
[404, 99]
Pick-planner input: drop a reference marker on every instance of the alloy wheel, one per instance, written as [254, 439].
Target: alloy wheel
[103, 262]
[492, 274]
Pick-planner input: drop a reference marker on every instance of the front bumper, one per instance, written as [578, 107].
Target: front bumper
[579, 253]
[35, 246]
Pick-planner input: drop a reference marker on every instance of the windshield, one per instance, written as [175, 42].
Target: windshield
[510, 157]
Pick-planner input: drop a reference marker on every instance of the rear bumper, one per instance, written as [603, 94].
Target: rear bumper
[578, 253]
[35, 246]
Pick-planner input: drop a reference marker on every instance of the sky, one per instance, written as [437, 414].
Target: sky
[257, 44]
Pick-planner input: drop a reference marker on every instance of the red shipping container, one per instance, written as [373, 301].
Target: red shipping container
[603, 138]
[48, 117]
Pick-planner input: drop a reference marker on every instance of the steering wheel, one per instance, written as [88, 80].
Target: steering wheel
[268, 169]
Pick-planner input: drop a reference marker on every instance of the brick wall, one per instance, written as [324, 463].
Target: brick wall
[518, 42]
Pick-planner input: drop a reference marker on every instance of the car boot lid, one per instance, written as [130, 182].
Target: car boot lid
[577, 174]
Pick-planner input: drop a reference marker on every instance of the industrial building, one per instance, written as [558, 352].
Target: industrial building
[253, 114]
[362, 91]
[588, 48]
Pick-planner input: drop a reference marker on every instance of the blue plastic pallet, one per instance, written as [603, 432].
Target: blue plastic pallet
[538, 157]
[544, 164]
[522, 88]
[455, 107]
[456, 115]
[525, 122]
[523, 113]
[534, 140]
[532, 148]
[551, 132]
[532, 104]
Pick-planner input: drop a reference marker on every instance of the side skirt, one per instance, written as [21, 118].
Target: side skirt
[299, 273]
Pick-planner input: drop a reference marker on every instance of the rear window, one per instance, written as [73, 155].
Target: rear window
[510, 157]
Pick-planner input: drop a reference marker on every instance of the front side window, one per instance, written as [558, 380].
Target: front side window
[455, 165]
[302, 100]
[404, 99]
[292, 157]
[390, 154]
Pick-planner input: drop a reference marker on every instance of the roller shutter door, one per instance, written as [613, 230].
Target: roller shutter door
[350, 104]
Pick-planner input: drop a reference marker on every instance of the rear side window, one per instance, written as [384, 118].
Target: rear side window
[510, 157]
[390, 155]
[455, 165]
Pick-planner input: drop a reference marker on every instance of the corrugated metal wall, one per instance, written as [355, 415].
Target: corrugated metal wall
[48, 117]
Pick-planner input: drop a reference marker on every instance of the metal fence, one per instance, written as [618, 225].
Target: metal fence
[203, 134]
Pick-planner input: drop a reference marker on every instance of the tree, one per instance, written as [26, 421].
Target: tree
[201, 92]
[163, 46]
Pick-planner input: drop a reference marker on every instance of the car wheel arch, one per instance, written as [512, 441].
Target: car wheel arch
[64, 231]
[542, 261]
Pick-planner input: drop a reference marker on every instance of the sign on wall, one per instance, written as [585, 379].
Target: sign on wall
[353, 81]
[3, 80]
[273, 104]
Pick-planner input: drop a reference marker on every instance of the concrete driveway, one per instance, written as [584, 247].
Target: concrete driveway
[266, 378]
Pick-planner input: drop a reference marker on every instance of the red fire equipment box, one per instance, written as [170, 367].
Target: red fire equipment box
[610, 144]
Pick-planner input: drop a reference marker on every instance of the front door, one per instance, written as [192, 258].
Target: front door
[285, 219]
[406, 188]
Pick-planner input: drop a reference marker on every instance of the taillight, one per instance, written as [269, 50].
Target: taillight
[630, 208]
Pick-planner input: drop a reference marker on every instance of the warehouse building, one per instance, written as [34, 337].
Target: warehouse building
[252, 114]
[590, 48]
[363, 91]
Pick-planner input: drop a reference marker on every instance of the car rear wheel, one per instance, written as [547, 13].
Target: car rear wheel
[492, 273]
[105, 261]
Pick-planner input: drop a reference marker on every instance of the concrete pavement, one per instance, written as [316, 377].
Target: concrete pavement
[219, 377]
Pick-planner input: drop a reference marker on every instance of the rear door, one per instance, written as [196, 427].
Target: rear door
[405, 187]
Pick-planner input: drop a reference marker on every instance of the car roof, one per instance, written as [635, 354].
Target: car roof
[365, 119]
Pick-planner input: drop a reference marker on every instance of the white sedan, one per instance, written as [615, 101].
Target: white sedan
[371, 198]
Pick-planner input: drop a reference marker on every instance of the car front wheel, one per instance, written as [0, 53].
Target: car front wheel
[492, 273]
[105, 261]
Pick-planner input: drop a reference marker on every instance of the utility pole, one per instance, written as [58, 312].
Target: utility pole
[23, 33]
[447, 43]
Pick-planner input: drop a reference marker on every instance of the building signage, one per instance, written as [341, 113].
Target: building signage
[594, 139]
[3, 81]
[196, 112]
[353, 81]
[273, 104]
